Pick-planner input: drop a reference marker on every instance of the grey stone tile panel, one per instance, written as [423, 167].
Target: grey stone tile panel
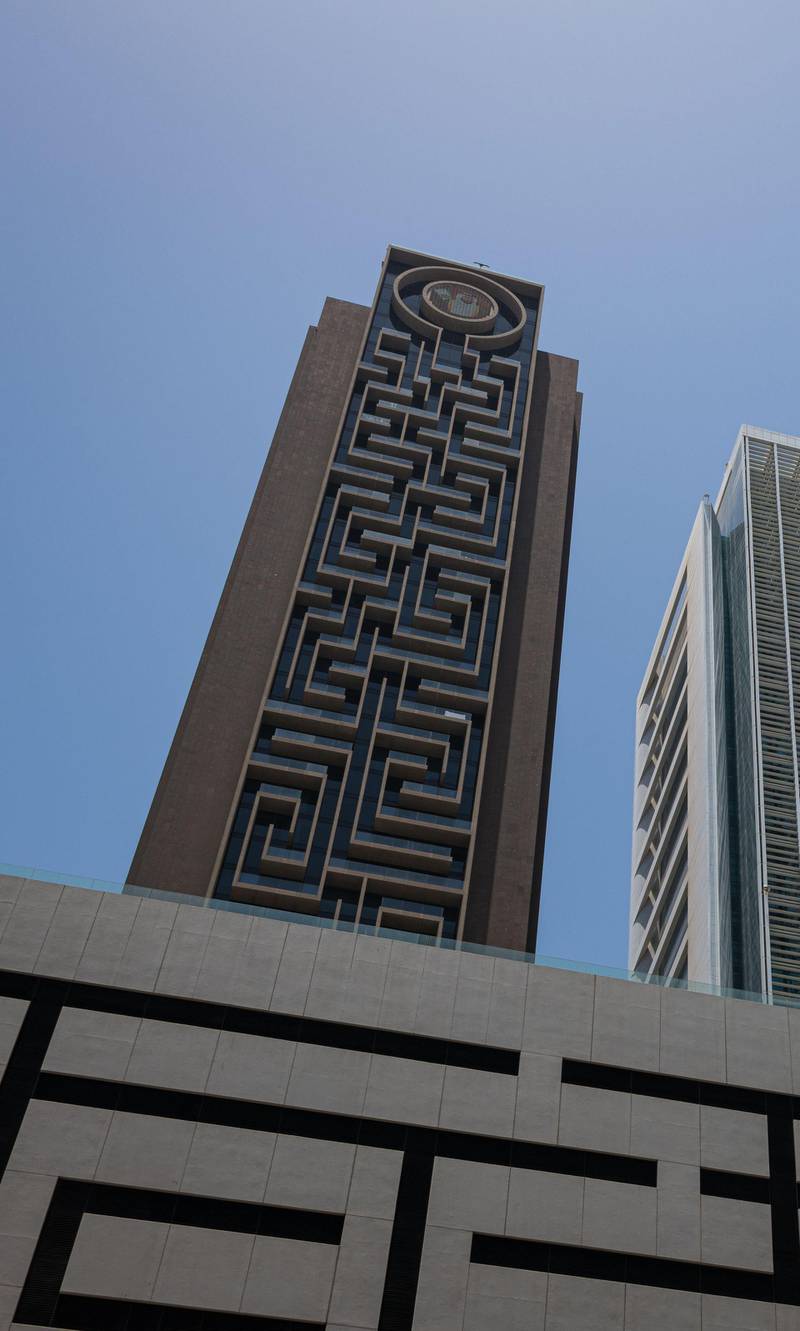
[648, 1308]
[559, 1013]
[12, 1015]
[442, 1288]
[115, 1258]
[168, 1054]
[310, 1175]
[477, 1101]
[665, 1129]
[545, 1207]
[203, 1268]
[374, 1182]
[290, 1278]
[723, 1314]
[692, 1035]
[757, 1045]
[596, 1119]
[735, 1140]
[678, 1200]
[141, 1150]
[394, 1092]
[736, 1233]
[578, 1304]
[619, 1216]
[91, 1044]
[538, 1098]
[360, 1271]
[251, 1067]
[228, 1162]
[466, 1194]
[60, 1139]
[332, 1080]
[501, 1297]
[627, 1024]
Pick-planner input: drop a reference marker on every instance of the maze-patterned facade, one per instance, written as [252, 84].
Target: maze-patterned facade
[360, 794]
[215, 1121]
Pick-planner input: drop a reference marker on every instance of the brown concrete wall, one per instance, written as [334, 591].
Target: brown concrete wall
[505, 883]
[186, 823]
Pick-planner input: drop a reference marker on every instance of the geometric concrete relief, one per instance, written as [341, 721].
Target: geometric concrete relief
[215, 1120]
[360, 795]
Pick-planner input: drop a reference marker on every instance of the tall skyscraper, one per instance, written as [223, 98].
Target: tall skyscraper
[716, 857]
[369, 731]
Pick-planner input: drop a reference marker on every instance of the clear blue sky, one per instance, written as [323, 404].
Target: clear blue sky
[184, 181]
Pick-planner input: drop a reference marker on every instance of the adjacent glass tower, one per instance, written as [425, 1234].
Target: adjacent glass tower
[715, 892]
[368, 735]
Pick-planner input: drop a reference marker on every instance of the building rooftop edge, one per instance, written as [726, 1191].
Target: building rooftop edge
[518, 284]
[79, 883]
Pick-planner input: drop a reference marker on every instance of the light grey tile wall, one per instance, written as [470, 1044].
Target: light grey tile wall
[545, 1206]
[204, 1268]
[9, 1295]
[548, 1014]
[619, 1216]
[115, 1258]
[678, 1234]
[466, 1194]
[500, 1297]
[251, 1067]
[692, 1035]
[141, 1150]
[477, 1101]
[757, 1045]
[92, 1044]
[228, 1162]
[627, 1024]
[442, 1288]
[538, 1098]
[360, 1271]
[374, 1182]
[596, 1119]
[410, 1095]
[649, 1309]
[167, 1054]
[559, 1013]
[732, 1139]
[60, 1139]
[333, 1080]
[308, 1174]
[12, 1015]
[665, 1129]
[576, 1304]
[27, 926]
[736, 1233]
[24, 1199]
[722, 1314]
[290, 1278]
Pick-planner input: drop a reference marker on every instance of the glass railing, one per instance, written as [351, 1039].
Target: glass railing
[40, 875]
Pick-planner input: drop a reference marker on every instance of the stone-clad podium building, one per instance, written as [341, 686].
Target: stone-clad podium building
[219, 1120]
[369, 732]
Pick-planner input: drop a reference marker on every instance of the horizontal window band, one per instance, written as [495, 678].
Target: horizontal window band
[182, 1208]
[76, 1312]
[225, 1112]
[719, 1095]
[740, 1187]
[625, 1268]
[274, 1025]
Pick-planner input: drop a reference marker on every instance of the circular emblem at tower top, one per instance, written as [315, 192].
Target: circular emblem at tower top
[457, 298]
[434, 296]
